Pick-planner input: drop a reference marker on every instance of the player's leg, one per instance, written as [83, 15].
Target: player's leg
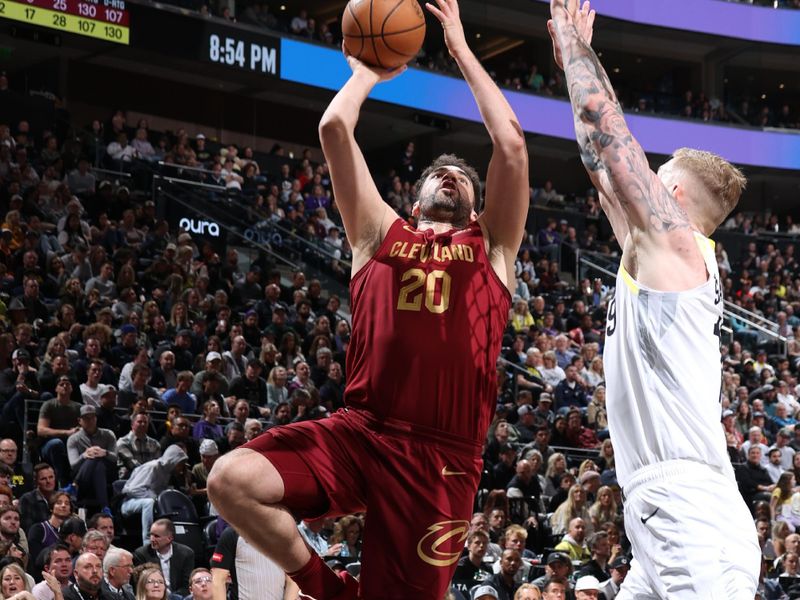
[417, 521]
[298, 471]
[247, 490]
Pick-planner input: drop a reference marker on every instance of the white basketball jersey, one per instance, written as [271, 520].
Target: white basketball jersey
[663, 373]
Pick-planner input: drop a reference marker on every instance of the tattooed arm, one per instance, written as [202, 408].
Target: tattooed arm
[666, 255]
[584, 23]
[647, 203]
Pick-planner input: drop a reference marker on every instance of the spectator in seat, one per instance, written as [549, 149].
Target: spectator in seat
[46, 533]
[147, 481]
[601, 555]
[58, 419]
[117, 568]
[175, 559]
[58, 564]
[574, 541]
[92, 457]
[754, 481]
[34, 505]
[181, 395]
[504, 582]
[471, 570]
[22, 479]
[88, 577]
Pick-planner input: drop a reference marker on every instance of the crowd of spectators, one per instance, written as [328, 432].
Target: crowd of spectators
[132, 352]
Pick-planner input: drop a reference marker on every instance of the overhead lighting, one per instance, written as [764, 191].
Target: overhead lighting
[763, 96]
[616, 69]
[283, 7]
[478, 36]
[781, 86]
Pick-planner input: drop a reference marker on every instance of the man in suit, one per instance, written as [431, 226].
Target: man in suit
[176, 560]
[117, 569]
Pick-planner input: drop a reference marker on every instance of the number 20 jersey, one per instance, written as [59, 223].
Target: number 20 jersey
[429, 313]
[663, 373]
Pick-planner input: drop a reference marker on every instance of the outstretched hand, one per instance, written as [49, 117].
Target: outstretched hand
[582, 19]
[447, 13]
[380, 75]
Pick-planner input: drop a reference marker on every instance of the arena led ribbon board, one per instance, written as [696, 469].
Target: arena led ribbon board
[712, 17]
[441, 94]
[107, 20]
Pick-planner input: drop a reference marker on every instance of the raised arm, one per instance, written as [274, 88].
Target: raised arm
[584, 25]
[646, 202]
[507, 189]
[366, 216]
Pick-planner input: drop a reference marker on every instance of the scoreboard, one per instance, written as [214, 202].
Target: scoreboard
[107, 20]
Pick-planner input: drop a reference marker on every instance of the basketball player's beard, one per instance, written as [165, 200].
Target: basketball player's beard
[440, 207]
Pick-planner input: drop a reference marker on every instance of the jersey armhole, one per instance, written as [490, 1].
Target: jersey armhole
[397, 223]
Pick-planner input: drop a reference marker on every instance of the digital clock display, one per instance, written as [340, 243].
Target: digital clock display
[107, 20]
[237, 49]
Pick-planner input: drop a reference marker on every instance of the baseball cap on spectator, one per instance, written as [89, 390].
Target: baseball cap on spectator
[88, 410]
[609, 477]
[171, 247]
[106, 389]
[482, 591]
[587, 583]
[128, 328]
[149, 203]
[21, 354]
[209, 448]
[619, 562]
[211, 356]
[72, 525]
[727, 413]
[768, 387]
[279, 306]
[748, 361]
[545, 397]
[589, 474]
[185, 332]
[200, 136]
[758, 414]
[554, 557]
[525, 409]
[184, 238]
[104, 184]
[123, 189]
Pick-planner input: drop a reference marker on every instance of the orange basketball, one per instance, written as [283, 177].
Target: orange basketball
[383, 33]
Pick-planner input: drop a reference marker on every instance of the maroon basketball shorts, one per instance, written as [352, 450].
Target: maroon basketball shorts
[417, 487]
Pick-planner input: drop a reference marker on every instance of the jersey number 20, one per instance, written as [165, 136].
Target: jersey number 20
[411, 296]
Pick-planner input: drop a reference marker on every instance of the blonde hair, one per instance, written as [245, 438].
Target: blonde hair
[723, 181]
[525, 587]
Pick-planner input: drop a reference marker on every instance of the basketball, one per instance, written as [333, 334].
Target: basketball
[383, 33]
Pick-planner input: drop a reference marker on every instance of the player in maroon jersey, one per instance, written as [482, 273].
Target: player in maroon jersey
[429, 309]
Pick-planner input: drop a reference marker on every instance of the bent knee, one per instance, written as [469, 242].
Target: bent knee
[244, 476]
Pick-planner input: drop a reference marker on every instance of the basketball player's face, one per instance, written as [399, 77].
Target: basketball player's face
[447, 196]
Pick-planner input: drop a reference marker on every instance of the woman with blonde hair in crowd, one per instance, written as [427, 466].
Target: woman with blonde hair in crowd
[604, 508]
[348, 531]
[605, 459]
[596, 413]
[573, 507]
[556, 466]
[780, 502]
[594, 373]
[13, 583]
[780, 529]
[527, 591]
[151, 585]
[521, 317]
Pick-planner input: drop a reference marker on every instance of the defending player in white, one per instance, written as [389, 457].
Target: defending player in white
[691, 533]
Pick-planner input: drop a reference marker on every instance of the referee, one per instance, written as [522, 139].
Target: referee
[253, 576]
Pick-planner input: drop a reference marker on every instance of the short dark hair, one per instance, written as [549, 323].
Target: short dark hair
[58, 547]
[94, 520]
[451, 160]
[551, 581]
[40, 467]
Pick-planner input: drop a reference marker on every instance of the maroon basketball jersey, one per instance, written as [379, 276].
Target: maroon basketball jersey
[428, 318]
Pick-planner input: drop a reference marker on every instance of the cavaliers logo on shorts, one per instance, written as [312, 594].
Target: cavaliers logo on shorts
[443, 544]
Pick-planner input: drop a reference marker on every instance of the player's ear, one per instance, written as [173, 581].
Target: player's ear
[415, 210]
[473, 216]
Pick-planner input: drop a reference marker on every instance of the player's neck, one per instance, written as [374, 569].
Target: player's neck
[438, 226]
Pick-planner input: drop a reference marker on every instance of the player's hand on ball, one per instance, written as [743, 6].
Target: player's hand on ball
[380, 75]
[447, 13]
